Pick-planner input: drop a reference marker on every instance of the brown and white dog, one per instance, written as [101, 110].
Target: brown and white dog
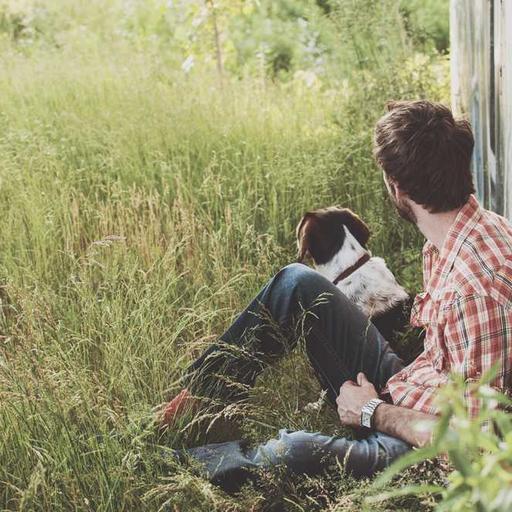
[335, 238]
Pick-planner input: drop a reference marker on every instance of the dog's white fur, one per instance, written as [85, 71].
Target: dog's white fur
[372, 287]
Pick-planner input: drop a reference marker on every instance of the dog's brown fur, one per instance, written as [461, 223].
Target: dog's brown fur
[316, 228]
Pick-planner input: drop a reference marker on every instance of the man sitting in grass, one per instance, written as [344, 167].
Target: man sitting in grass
[465, 309]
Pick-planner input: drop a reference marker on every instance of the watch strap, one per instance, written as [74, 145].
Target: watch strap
[368, 411]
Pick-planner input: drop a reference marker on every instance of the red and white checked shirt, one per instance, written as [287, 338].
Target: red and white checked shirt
[466, 309]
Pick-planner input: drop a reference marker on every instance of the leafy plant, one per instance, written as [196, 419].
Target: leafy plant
[479, 451]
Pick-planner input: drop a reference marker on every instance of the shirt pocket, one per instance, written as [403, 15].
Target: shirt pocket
[430, 313]
[423, 310]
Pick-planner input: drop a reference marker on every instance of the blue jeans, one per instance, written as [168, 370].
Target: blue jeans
[340, 341]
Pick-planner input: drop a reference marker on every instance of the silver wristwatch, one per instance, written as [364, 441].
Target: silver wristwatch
[368, 411]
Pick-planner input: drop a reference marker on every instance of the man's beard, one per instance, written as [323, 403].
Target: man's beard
[404, 209]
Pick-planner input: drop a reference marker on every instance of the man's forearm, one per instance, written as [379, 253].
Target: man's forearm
[402, 423]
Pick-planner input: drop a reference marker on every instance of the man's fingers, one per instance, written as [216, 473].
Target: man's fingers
[346, 384]
[361, 379]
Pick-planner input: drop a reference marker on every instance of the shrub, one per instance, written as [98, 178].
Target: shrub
[479, 451]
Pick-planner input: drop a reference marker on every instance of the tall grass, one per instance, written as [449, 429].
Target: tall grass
[141, 210]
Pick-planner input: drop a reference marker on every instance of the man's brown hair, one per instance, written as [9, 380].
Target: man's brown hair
[427, 153]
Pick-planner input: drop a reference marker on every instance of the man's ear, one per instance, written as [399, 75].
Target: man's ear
[397, 191]
[391, 185]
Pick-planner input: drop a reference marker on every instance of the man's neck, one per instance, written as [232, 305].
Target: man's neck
[435, 226]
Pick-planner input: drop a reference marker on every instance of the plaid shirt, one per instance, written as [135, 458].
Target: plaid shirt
[466, 309]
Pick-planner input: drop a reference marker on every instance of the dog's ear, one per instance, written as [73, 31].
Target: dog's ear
[356, 226]
[302, 242]
[318, 237]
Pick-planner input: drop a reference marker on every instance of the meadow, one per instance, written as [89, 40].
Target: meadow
[142, 206]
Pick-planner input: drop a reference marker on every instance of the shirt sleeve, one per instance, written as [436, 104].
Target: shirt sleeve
[477, 337]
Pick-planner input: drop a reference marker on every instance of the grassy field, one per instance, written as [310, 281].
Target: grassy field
[141, 208]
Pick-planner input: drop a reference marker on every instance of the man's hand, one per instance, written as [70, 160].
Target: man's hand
[390, 419]
[353, 396]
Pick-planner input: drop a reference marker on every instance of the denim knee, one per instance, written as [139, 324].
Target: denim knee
[295, 271]
[302, 286]
[298, 276]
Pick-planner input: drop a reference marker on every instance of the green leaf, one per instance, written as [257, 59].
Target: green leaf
[408, 490]
[413, 457]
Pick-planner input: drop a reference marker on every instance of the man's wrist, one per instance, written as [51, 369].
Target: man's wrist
[368, 412]
[380, 413]
[401, 422]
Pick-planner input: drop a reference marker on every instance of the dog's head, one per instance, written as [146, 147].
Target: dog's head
[321, 233]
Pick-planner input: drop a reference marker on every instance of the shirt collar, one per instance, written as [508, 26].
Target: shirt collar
[466, 219]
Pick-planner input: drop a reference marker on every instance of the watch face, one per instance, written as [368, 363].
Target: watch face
[366, 420]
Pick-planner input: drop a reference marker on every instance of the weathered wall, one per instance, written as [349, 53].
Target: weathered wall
[503, 52]
[481, 52]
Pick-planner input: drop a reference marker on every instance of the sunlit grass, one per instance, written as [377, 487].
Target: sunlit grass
[141, 210]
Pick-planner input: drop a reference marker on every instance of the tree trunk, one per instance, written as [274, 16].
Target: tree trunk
[216, 35]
